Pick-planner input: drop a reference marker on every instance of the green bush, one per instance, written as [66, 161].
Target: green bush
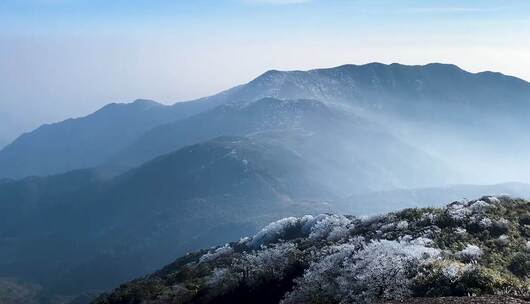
[520, 264]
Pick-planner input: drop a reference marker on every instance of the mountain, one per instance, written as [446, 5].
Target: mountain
[88, 141]
[135, 185]
[439, 108]
[75, 233]
[294, 153]
[474, 248]
[364, 157]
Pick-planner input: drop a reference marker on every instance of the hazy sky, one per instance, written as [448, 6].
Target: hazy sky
[61, 58]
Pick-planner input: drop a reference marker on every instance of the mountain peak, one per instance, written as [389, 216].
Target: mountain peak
[147, 102]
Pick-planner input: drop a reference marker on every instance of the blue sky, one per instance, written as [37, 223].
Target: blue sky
[63, 58]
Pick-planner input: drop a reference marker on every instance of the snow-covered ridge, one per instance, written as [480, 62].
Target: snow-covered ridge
[474, 247]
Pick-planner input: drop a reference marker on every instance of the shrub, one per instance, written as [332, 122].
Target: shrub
[470, 253]
[381, 269]
[520, 264]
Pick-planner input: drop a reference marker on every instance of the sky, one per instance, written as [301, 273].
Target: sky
[67, 58]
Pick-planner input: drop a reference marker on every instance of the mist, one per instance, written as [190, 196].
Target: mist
[81, 57]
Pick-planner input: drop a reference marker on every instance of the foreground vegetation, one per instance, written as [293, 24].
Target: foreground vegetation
[468, 248]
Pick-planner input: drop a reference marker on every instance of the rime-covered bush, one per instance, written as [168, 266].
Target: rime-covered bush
[282, 229]
[380, 269]
[222, 280]
[470, 253]
[458, 211]
[330, 227]
[485, 223]
[453, 278]
[502, 240]
[479, 206]
[460, 231]
[501, 226]
[218, 252]
[325, 226]
[402, 225]
[319, 283]
[268, 263]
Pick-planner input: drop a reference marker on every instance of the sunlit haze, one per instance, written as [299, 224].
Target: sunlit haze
[63, 59]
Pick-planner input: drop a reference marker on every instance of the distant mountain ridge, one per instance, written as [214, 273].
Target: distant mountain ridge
[88, 141]
[422, 100]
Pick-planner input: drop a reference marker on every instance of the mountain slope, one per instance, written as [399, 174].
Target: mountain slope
[355, 154]
[440, 108]
[475, 248]
[87, 141]
[99, 233]
[295, 152]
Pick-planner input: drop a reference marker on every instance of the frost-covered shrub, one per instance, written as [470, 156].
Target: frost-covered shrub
[388, 227]
[501, 226]
[452, 278]
[244, 240]
[492, 200]
[218, 252]
[428, 217]
[479, 206]
[221, 280]
[402, 225]
[330, 227]
[458, 211]
[282, 229]
[485, 223]
[319, 283]
[268, 263]
[454, 271]
[325, 226]
[524, 219]
[470, 253]
[381, 269]
[251, 268]
[460, 231]
[502, 240]
[431, 232]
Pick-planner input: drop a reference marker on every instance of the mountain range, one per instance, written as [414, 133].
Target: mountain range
[433, 107]
[88, 203]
